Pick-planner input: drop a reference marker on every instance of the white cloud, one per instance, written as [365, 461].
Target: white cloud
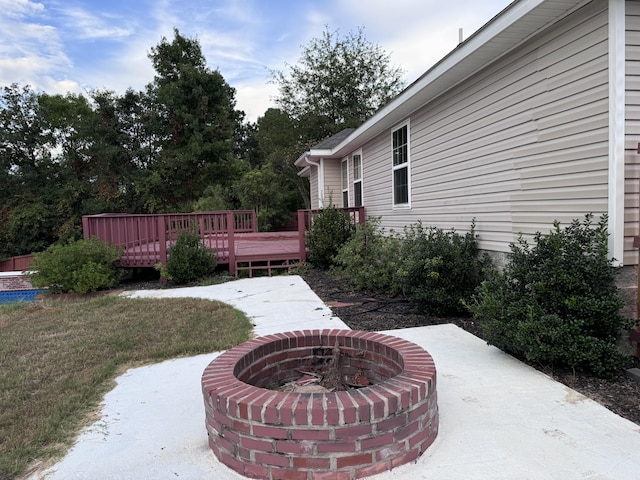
[91, 26]
[254, 98]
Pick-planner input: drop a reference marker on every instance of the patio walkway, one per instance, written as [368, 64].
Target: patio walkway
[499, 418]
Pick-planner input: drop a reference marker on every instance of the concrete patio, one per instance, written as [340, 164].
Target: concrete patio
[499, 418]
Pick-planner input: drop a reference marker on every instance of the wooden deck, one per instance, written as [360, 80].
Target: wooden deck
[251, 251]
[232, 235]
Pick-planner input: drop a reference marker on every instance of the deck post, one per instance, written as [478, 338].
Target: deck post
[301, 235]
[231, 244]
[161, 227]
[85, 227]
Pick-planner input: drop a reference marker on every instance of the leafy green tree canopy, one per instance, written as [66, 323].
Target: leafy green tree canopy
[338, 82]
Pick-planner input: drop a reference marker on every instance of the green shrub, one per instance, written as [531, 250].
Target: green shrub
[330, 230]
[189, 259]
[556, 303]
[80, 267]
[440, 270]
[369, 258]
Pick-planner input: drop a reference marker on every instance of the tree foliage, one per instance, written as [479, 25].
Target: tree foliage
[194, 121]
[338, 82]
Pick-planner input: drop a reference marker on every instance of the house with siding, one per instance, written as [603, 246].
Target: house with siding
[534, 118]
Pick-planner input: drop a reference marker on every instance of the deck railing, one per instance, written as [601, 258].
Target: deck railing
[146, 238]
[305, 222]
[16, 264]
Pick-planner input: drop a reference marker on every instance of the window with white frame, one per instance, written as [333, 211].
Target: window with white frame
[357, 179]
[345, 183]
[400, 153]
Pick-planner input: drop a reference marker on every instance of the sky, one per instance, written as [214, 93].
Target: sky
[61, 46]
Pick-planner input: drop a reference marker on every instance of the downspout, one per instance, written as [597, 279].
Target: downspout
[616, 129]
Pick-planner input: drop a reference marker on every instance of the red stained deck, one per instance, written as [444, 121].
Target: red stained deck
[232, 234]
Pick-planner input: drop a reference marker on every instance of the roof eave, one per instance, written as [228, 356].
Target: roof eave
[486, 45]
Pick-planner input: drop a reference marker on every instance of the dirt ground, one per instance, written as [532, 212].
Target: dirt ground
[366, 311]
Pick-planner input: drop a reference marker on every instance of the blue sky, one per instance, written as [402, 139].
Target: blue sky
[62, 46]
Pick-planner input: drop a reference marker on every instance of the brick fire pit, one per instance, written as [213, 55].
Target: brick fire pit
[262, 432]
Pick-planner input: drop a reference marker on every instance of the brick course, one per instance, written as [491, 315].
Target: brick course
[262, 433]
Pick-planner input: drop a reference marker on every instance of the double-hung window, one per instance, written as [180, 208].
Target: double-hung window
[357, 179]
[345, 183]
[400, 168]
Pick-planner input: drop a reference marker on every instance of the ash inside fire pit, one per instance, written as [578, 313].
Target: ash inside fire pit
[378, 408]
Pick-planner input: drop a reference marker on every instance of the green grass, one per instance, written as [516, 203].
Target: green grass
[59, 357]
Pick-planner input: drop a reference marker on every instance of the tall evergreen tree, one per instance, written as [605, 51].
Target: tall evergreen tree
[193, 124]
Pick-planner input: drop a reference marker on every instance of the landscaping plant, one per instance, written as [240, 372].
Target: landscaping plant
[556, 303]
[440, 270]
[80, 267]
[369, 258]
[189, 259]
[330, 230]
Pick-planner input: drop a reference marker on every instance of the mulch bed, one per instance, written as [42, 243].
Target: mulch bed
[374, 312]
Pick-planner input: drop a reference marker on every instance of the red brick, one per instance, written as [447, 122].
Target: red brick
[242, 427]
[353, 460]
[391, 451]
[299, 447]
[231, 435]
[418, 411]
[406, 458]
[311, 463]
[300, 413]
[378, 441]
[256, 444]
[346, 405]
[272, 459]
[256, 471]
[317, 410]
[243, 404]
[286, 474]
[426, 443]
[286, 409]
[231, 462]
[267, 431]
[335, 475]
[345, 446]
[271, 410]
[418, 438]
[406, 431]
[225, 444]
[355, 431]
[299, 434]
[372, 469]
[392, 423]
[362, 406]
[333, 412]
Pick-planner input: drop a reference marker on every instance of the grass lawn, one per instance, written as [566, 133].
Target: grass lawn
[59, 357]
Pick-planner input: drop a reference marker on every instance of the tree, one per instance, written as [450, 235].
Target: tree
[194, 121]
[338, 82]
[30, 174]
[279, 145]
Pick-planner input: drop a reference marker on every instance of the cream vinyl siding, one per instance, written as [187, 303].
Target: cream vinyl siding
[516, 146]
[313, 188]
[332, 193]
[632, 131]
